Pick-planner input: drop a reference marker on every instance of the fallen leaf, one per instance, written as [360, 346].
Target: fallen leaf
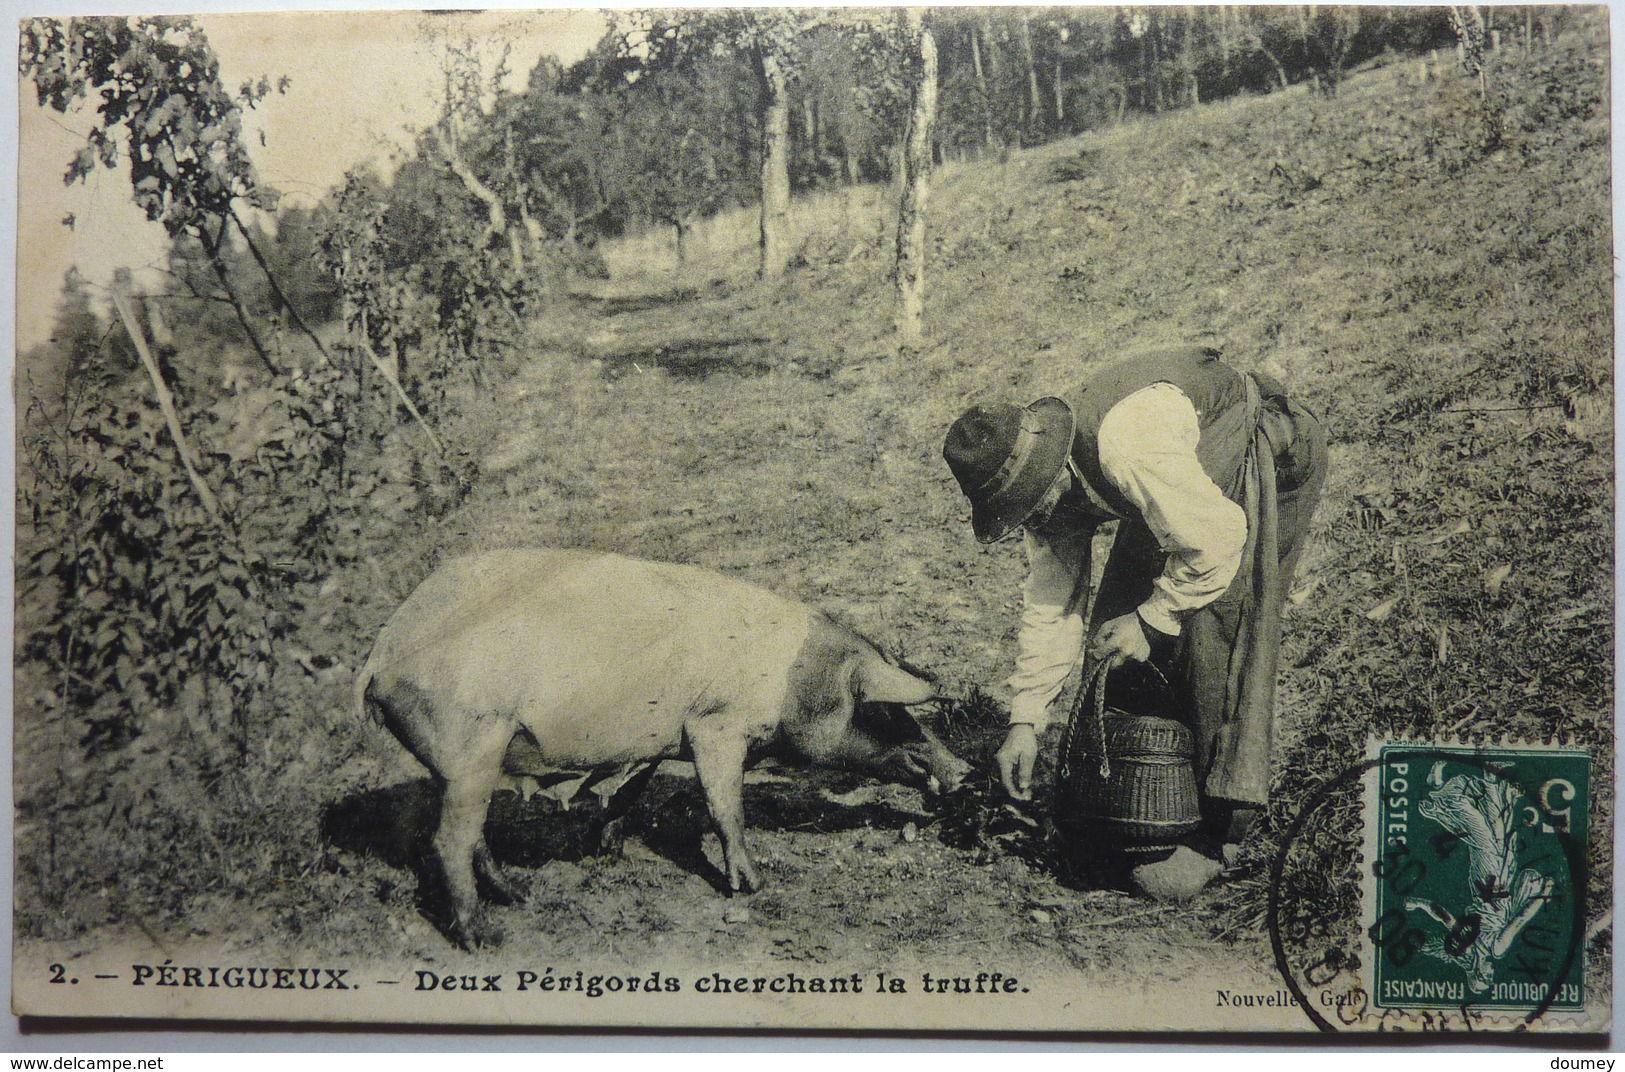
[1459, 528]
[1382, 610]
[1495, 578]
[1013, 812]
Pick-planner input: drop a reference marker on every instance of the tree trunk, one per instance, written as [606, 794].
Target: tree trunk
[856, 223]
[1471, 38]
[815, 137]
[1189, 59]
[166, 403]
[775, 214]
[1145, 73]
[536, 236]
[391, 372]
[989, 138]
[1280, 68]
[847, 122]
[1036, 104]
[916, 189]
[1154, 71]
[270, 277]
[211, 247]
[998, 116]
[1060, 98]
[496, 214]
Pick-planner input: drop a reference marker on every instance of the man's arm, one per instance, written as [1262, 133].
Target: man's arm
[1051, 634]
[1047, 646]
[1148, 451]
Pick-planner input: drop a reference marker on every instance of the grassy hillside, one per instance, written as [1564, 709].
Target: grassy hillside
[1430, 271]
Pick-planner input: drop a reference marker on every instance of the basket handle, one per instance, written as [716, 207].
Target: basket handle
[1094, 686]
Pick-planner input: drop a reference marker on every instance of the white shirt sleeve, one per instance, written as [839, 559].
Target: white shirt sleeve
[1148, 451]
[1051, 635]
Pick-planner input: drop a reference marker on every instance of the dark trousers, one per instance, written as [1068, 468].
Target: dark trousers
[1198, 663]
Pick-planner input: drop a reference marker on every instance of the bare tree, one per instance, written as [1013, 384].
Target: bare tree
[915, 183]
[772, 72]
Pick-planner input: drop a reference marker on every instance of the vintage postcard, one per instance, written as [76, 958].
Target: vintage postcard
[967, 520]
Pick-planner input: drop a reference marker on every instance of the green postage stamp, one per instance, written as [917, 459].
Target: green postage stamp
[1475, 895]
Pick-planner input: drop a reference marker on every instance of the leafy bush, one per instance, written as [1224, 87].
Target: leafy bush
[152, 627]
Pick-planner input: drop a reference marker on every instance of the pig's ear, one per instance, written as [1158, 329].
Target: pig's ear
[880, 682]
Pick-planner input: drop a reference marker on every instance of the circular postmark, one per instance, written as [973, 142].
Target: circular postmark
[1437, 887]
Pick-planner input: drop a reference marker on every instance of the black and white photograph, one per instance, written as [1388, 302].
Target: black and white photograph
[970, 521]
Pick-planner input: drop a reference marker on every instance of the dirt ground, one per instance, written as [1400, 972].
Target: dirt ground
[860, 874]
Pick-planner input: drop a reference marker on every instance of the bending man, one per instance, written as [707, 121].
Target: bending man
[1212, 475]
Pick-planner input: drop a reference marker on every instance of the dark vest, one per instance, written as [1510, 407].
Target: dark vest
[1218, 392]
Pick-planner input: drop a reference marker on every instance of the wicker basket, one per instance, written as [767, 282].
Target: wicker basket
[1126, 782]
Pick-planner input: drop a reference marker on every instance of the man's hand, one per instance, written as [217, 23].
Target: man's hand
[1016, 758]
[1119, 639]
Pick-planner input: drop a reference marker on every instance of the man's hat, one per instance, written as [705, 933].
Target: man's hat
[1005, 458]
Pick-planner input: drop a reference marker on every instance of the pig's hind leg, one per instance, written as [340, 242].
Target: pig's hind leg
[459, 841]
[719, 760]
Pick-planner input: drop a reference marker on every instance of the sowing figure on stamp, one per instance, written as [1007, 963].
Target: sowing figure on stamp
[1503, 898]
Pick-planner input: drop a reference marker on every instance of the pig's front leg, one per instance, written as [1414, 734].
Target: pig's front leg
[719, 760]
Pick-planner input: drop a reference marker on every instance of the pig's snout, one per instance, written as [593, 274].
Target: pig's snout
[945, 772]
[888, 739]
[928, 765]
[950, 775]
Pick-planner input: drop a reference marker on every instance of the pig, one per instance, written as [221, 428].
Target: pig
[531, 659]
